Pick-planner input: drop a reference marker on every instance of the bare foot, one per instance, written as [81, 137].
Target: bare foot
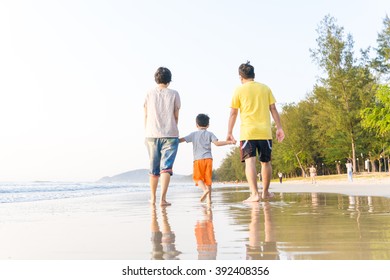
[152, 201]
[268, 195]
[253, 198]
[165, 203]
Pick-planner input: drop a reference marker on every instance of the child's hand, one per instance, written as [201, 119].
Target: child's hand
[230, 139]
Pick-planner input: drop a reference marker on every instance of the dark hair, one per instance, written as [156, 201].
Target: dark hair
[163, 76]
[202, 120]
[246, 71]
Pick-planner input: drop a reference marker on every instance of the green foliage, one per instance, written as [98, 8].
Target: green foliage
[382, 61]
[296, 151]
[377, 116]
[347, 86]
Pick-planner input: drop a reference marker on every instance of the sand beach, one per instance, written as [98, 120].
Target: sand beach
[326, 220]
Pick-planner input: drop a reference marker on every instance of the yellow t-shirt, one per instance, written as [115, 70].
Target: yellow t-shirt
[253, 100]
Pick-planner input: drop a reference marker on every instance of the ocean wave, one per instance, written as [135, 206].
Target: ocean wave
[35, 191]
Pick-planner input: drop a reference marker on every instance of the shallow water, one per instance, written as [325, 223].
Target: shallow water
[308, 226]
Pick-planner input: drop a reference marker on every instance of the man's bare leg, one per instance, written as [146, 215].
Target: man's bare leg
[251, 177]
[153, 182]
[266, 173]
[165, 179]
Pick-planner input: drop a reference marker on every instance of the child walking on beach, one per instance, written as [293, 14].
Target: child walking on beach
[203, 160]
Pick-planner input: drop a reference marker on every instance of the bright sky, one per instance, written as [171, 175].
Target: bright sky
[73, 74]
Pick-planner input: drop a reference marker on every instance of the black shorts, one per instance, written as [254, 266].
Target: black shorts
[250, 148]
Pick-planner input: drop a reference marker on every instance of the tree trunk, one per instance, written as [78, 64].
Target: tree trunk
[300, 165]
[373, 166]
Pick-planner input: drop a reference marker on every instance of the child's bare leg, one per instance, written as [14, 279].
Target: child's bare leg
[204, 188]
[209, 195]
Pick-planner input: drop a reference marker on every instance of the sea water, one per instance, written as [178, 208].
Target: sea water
[36, 191]
[13, 192]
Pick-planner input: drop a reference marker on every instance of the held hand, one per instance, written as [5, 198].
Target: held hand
[280, 134]
[230, 137]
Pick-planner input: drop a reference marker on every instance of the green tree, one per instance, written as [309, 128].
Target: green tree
[339, 96]
[376, 119]
[298, 150]
[382, 61]
[377, 116]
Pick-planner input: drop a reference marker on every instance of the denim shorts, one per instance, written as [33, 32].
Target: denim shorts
[162, 154]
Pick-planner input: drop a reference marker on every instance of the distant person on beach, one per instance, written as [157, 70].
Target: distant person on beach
[203, 160]
[255, 102]
[280, 175]
[367, 165]
[313, 174]
[161, 107]
[259, 175]
[349, 170]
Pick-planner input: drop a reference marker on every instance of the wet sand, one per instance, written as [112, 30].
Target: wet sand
[126, 227]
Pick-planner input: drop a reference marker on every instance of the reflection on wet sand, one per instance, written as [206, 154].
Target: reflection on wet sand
[312, 226]
[356, 206]
[314, 200]
[163, 241]
[205, 236]
[256, 249]
[293, 226]
[331, 226]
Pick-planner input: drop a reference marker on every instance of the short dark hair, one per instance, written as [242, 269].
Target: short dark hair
[202, 120]
[246, 71]
[163, 76]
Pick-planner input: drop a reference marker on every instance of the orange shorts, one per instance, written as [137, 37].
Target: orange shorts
[203, 170]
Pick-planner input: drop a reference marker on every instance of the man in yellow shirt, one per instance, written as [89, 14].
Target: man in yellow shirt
[255, 103]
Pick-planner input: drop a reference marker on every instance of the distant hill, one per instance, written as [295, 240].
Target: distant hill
[140, 176]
